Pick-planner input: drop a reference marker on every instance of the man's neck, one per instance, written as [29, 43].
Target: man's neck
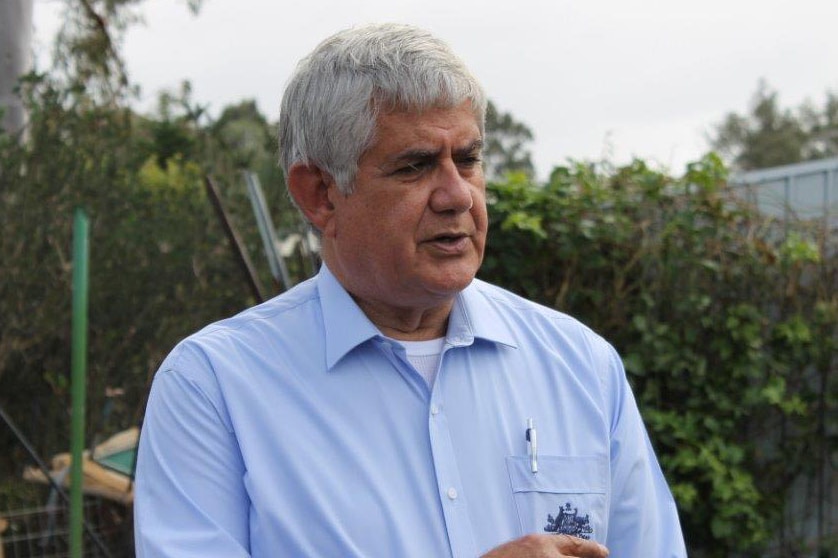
[408, 324]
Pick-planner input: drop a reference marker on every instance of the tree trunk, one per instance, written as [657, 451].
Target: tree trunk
[15, 59]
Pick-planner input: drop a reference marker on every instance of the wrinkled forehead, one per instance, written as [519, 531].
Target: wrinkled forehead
[425, 132]
[414, 111]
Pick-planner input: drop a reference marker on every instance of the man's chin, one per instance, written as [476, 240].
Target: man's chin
[449, 285]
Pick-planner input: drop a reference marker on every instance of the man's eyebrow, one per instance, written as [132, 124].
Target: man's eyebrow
[429, 154]
[413, 155]
[474, 147]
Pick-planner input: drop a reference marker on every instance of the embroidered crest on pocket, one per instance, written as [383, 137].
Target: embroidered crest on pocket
[569, 522]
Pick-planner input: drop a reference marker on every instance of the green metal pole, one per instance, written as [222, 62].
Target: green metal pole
[78, 378]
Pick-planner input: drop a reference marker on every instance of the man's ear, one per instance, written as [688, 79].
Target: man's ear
[309, 186]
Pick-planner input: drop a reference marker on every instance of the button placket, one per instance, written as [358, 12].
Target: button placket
[454, 506]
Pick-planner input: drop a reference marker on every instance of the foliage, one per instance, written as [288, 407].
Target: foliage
[160, 264]
[506, 149]
[88, 47]
[710, 305]
[770, 135]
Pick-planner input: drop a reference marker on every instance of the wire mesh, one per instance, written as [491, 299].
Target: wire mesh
[42, 530]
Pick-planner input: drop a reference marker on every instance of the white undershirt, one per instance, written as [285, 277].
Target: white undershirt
[424, 356]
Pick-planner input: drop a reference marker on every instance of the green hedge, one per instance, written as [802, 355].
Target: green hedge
[726, 321]
[160, 266]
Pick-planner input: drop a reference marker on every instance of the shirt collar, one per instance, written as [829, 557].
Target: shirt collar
[346, 326]
[475, 317]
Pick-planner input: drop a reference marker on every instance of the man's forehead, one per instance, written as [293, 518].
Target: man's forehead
[385, 108]
[429, 123]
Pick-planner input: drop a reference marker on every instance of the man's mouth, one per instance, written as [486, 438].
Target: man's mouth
[450, 243]
[448, 238]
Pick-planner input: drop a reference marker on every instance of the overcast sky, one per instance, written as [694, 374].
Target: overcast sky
[591, 78]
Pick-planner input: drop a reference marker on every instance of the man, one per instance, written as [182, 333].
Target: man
[394, 405]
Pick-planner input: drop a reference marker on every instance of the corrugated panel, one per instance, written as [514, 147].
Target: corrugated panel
[807, 191]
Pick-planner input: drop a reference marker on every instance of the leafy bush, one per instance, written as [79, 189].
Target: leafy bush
[726, 321]
[160, 264]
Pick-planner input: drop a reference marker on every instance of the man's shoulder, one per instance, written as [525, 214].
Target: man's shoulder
[261, 339]
[534, 320]
[282, 311]
[534, 325]
[507, 301]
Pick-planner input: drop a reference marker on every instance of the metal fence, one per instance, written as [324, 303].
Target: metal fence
[804, 193]
[800, 192]
[41, 530]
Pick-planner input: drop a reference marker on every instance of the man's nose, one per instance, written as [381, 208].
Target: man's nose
[452, 191]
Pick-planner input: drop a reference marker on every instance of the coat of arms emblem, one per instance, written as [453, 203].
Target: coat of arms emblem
[569, 522]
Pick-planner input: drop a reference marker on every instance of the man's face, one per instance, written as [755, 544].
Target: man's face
[412, 233]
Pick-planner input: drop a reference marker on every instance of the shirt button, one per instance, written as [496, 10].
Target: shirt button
[434, 410]
[452, 493]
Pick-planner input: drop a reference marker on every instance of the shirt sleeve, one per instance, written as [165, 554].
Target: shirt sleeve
[643, 518]
[190, 498]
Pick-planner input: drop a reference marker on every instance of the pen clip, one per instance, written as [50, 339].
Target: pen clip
[532, 446]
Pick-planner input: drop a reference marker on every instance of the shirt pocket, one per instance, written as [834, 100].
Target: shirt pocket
[566, 496]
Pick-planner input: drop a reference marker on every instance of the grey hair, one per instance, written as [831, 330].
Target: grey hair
[331, 103]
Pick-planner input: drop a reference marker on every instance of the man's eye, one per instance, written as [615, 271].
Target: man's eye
[470, 163]
[412, 168]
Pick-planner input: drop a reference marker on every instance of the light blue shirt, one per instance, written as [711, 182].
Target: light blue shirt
[297, 429]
